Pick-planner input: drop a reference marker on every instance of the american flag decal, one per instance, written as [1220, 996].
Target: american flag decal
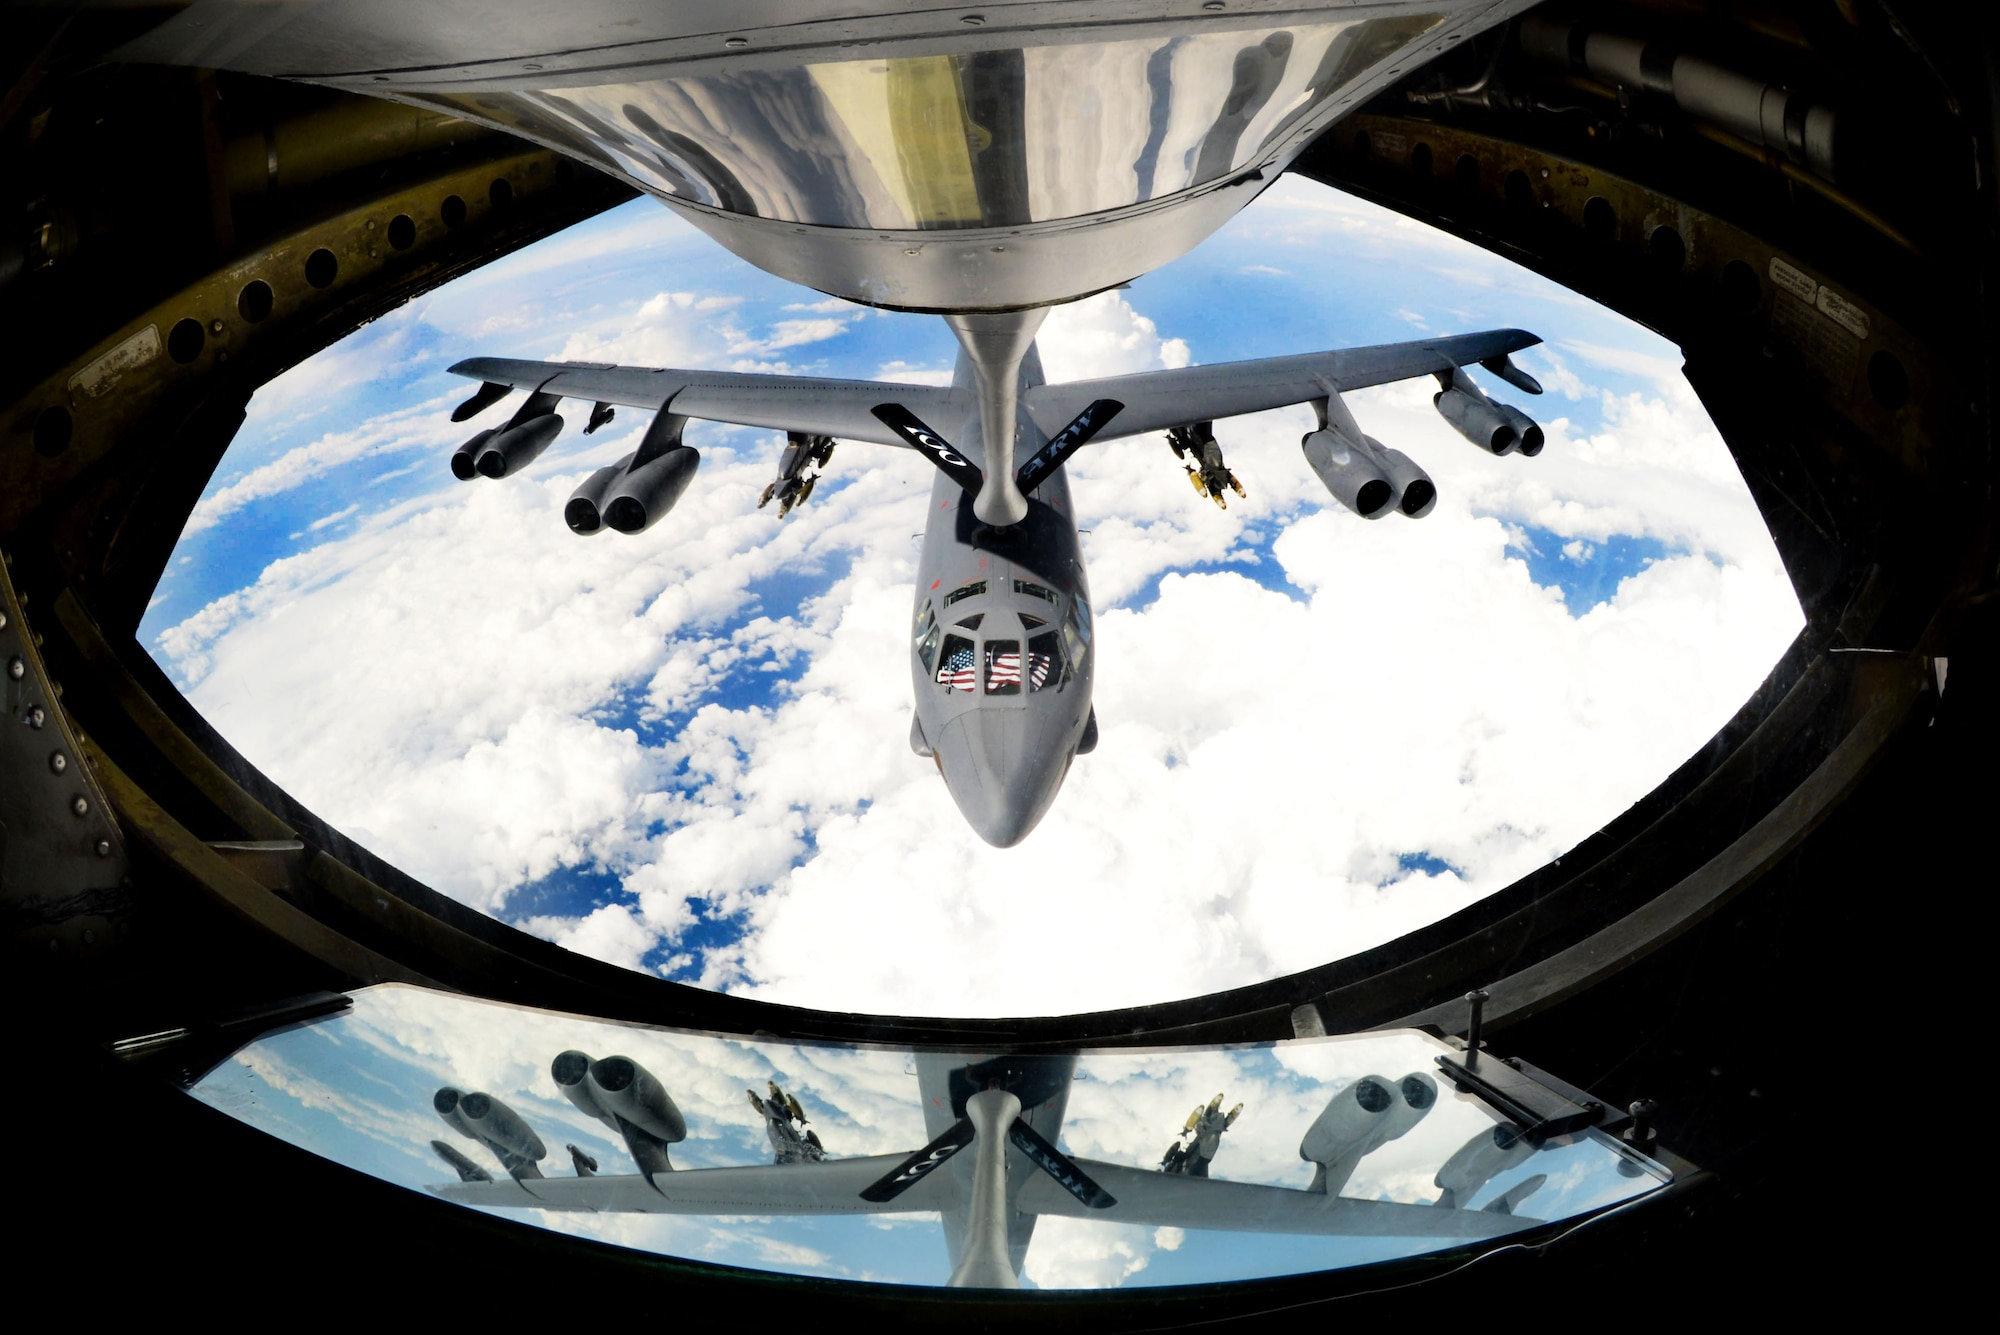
[1038, 670]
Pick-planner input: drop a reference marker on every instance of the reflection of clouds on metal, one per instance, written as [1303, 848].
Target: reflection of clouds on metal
[1033, 158]
[1401, 1168]
[978, 138]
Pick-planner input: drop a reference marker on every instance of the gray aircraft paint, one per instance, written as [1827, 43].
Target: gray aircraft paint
[1003, 756]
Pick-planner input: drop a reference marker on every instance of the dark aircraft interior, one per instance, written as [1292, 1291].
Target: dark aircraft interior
[1755, 968]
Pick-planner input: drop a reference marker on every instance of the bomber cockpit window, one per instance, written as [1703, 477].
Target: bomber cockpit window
[1034, 590]
[1044, 659]
[971, 622]
[957, 665]
[928, 631]
[1031, 622]
[964, 591]
[1003, 667]
[1076, 637]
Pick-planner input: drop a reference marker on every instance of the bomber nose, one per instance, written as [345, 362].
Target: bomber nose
[1003, 767]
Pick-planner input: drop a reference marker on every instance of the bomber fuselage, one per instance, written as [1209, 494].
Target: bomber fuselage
[1000, 649]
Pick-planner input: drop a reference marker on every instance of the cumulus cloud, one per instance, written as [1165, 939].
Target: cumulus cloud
[1103, 335]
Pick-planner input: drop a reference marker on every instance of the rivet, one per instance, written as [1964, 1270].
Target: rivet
[80, 805]
[58, 762]
[37, 716]
[737, 43]
[89, 937]
[3, 621]
[1212, 5]
[104, 848]
[369, 226]
[913, 251]
[54, 945]
[215, 326]
[973, 20]
[998, 249]
[16, 669]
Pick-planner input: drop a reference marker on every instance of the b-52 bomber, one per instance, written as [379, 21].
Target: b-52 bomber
[1001, 633]
[992, 1168]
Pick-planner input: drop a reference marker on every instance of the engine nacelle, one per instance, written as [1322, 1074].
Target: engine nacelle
[1346, 470]
[515, 447]
[644, 494]
[495, 1125]
[626, 1089]
[584, 511]
[464, 460]
[571, 1071]
[1525, 429]
[1360, 1119]
[1478, 419]
[1479, 1161]
[626, 1097]
[1416, 494]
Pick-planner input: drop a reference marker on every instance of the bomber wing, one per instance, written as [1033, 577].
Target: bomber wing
[843, 408]
[1151, 400]
[831, 1186]
[809, 404]
[1159, 400]
[1144, 1196]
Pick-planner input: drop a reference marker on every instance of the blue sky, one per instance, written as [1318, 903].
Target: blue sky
[685, 752]
[357, 1089]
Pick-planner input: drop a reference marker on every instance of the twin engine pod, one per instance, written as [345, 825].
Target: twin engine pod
[1367, 476]
[626, 1097]
[500, 451]
[1363, 474]
[636, 492]
[1359, 1120]
[1477, 1162]
[631, 497]
[496, 1126]
[1497, 428]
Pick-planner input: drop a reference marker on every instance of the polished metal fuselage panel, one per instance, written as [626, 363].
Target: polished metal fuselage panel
[894, 154]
